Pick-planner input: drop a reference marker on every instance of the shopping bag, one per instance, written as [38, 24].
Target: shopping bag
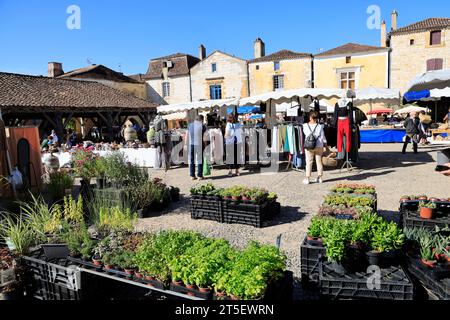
[206, 168]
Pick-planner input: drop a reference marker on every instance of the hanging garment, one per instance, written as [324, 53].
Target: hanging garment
[275, 140]
[282, 137]
[344, 128]
[292, 145]
[217, 146]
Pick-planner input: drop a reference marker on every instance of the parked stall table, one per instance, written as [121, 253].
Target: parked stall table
[382, 135]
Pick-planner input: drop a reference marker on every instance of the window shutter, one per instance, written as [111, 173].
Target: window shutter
[430, 65]
[438, 64]
[435, 38]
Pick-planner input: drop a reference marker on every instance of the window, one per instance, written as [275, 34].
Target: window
[215, 92]
[278, 83]
[166, 89]
[435, 64]
[276, 66]
[214, 67]
[411, 42]
[348, 59]
[348, 80]
[257, 67]
[435, 38]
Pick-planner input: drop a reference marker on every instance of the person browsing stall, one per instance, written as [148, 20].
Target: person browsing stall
[315, 141]
[196, 130]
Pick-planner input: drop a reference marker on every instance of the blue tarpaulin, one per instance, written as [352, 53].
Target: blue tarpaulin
[417, 95]
[382, 136]
[245, 110]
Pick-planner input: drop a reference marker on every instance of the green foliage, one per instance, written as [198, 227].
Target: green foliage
[84, 163]
[18, 231]
[348, 201]
[337, 238]
[387, 237]
[319, 226]
[115, 219]
[426, 247]
[429, 205]
[78, 240]
[123, 259]
[59, 182]
[73, 210]
[203, 190]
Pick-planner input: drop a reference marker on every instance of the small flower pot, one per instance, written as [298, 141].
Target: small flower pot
[129, 272]
[149, 278]
[403, 200]
[220, 294]
[228, 198]
[429, 264]
[426, 213]
[139, 275]
[317, 242]
[179, 283]
[234, 298]
[190, 286]
[97, 262]
[236, 198]
[109, 267]
[204, 290]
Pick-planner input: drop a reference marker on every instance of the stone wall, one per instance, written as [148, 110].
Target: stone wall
[180, 90]
[231, 74]
[409, 61]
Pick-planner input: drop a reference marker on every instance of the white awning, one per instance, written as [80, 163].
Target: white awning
[202, 105]
[176, 116]
[411, 108]
[440, 93]
[324, 107]
[438, 79]
[377, 95]
[288, 95]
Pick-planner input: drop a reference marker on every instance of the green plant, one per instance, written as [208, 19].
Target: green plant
[123, 259]
[426, 242]
[100, 167]
[429, 205]
[319, 226]
[387, 237]
[337, 238]
[73, 210]
[58, 183]
[17, 231]
[115, 219]
[84, 162]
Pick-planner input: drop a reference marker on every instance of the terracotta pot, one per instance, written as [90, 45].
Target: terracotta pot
[129, 272]
[139, 275]
[423, 199]
[190, 286]
[403, 200]
[227, 198]
[149, 278]
[429, 264]
[204, 290]
[426, 213]
[97, 262]
[220, 294]
[234, 298]
[236, 198]
[108, 267]
[179, 283]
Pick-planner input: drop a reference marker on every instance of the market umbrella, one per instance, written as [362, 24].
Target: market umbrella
[411, 108]
[380, 111]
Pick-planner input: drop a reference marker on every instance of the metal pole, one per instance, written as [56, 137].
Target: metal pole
[435, 111]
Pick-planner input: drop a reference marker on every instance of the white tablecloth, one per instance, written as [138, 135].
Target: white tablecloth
[141, 157]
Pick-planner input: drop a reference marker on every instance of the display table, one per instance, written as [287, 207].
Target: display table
[143, 157]
[382, 135]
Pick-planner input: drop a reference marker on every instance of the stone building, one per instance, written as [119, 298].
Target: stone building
[352, 66]
[169, 78]
[282, 70]
[219, 76]
[417, 48]
[101, 74]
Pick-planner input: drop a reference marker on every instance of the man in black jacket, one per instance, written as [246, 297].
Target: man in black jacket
[412, 125]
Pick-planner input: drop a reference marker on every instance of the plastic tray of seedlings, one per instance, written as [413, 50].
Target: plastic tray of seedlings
[412, 219]
[310, 256]
[392, 284]
[440, 288]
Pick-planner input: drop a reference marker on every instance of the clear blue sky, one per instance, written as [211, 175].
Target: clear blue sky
[129, 33]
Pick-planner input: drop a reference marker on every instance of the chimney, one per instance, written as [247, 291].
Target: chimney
[202, 52]
[394, 16]
[260, 48]
[383, 34]
[55, 69]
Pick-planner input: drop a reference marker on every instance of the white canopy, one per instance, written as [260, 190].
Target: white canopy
[377, 95]
[440, 93]
[207, 104]
[176, 116]
[438, 79]
[411, 108]
[288, 95]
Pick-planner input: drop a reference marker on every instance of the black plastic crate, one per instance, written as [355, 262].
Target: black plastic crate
[310, 257]
[55, 280]
[440, 288]
[249, 214]
[412, 219]
[207, 209]
[394, 284]
[442, 207]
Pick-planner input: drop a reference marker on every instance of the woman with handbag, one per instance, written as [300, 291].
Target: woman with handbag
[315, 142]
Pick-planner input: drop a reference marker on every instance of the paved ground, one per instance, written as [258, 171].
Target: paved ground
[384, 166]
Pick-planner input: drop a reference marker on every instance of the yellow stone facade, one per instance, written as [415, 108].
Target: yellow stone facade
[297, 74]
[370, 68]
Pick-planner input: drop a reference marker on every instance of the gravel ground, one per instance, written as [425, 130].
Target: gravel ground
[384, 166]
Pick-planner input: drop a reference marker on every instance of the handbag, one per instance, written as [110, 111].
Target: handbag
[206, 168]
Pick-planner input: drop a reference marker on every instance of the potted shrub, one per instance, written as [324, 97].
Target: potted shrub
[386, 240]
[427, 254]
[427, 210]
[422, 197]
[336, 240]
[100, 168]
[315, 231]
[272, 197]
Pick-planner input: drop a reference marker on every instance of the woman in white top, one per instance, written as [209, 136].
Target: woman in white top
[233, 141]
[315, 128]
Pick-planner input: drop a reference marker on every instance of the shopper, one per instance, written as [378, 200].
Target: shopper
[313, 130]
[233, 142]
[425, 122]
[196, 130]
[447, 117]
[412, 125]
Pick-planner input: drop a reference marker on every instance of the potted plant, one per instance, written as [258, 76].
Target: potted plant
[336, 240]
[100, 168]
[404, 199]
[422, 197]
[315, 231]
[385, 242]
[427, 210]
[427, 254]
